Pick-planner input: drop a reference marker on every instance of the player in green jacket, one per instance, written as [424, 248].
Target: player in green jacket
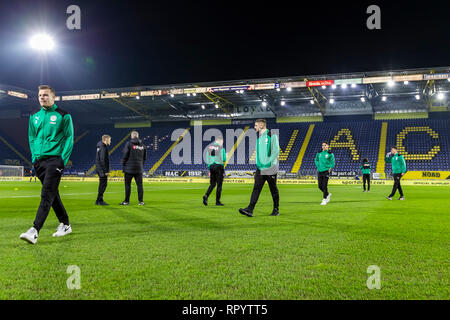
[398, 170]
[50, 133]
[365, 168]
[324, 162]
[215, 159]
[267, 151]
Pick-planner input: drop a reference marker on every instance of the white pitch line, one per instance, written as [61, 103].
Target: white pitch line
[61, 194]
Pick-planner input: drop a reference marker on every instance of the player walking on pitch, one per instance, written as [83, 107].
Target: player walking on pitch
[50, 133]
[365, 167]
[267, 151]
[215, 158]
[102, 166]
[398, 170]
[324, 162]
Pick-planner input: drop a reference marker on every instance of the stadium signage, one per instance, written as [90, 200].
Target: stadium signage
[183, 173]
[90, 96]
[110, 95]
[436, 76]
[264, 86]
[376, 79]
[129, 94]
[229, 88]
[176, 91]
[348, 81]
[67, 98]
[412, 77]
[319, 83]
[17, 94]
[296, 84]
[152, 93]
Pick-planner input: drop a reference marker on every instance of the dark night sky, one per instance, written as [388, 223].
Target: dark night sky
[127, 43]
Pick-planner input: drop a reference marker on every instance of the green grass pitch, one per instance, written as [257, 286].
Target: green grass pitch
[175, 248]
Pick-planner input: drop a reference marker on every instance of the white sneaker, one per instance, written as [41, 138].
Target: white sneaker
[30, 236]
[324, 202]
[62, 230]
[329, 197]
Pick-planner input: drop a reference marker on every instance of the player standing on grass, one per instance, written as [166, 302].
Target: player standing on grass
[33, 174]
[398, 170]
[215, 158]
[324, 163]
[365, 167]
[134, 156]
[102, 166]
[50, 133]
[267, 151]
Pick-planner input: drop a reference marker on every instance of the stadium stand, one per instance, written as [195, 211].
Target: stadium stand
[424, 142]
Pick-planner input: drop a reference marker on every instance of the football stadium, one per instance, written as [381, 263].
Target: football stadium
[355, 244]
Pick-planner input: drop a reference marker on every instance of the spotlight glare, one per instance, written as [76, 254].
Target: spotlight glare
[363, 99]
[391, 83]
[383, 98]
[333, 86]
[172, 95]
[264, 104]
[216, 105]
[203, 106]
[283, 103]
[42, 42]
[353, 85]
[343, 86]
[406, 82]
[311, 101]
[324, 87]
[241, 91]
[331, 100]
[278, 89]
[417, 97]
[289, 89]
[440, 96]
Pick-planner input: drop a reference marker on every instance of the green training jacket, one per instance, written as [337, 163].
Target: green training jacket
[398, 163]
[267, 151]
[215, 154]
[50, 133]
[324, 161]
[365, 167]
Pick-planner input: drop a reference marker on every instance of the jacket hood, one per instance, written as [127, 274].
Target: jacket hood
[100, 143]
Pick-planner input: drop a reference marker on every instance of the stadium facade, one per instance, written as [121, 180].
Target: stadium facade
[360, 114]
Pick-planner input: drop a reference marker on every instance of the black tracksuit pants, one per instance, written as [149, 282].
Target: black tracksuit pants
[49, 172]
[103, 183]
[366, 178]
[138, 179]
[258, 186]
[397, 177]
[323, 182]
[216, 172]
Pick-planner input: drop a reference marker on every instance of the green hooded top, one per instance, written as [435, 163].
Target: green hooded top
[267, 150]
[324, 161]
[398, 163]
[50, 133]
[365, 167]
[215, 154]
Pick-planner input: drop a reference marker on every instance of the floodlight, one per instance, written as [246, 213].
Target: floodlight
[42, 42]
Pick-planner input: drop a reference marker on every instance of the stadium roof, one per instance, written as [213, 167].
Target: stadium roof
[272, 97]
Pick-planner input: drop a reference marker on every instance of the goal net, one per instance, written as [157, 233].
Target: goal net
[11, 173]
